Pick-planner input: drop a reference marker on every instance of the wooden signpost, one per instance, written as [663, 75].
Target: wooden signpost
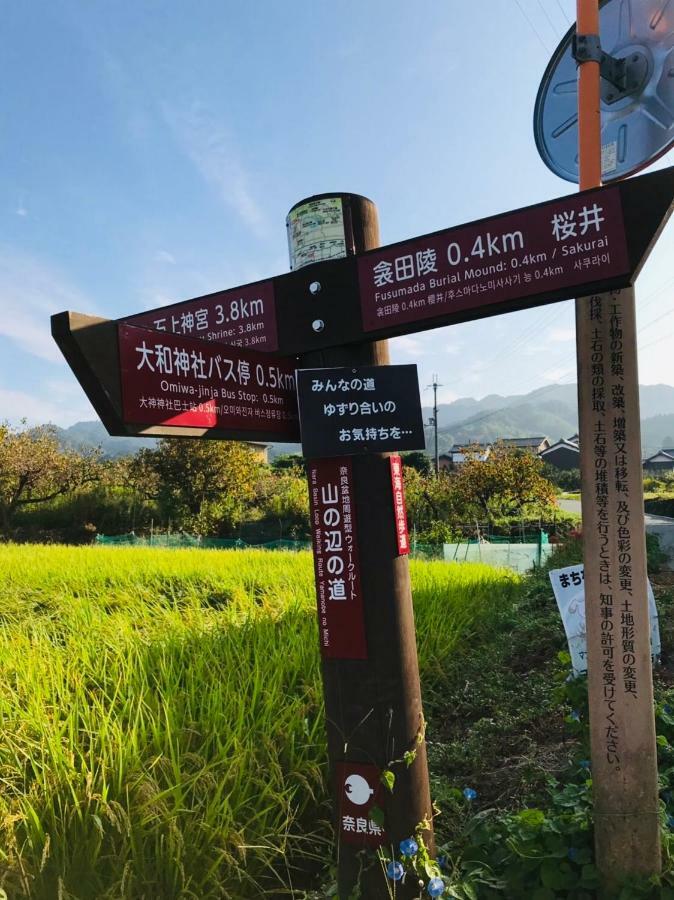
[209, 367]
[620, 678]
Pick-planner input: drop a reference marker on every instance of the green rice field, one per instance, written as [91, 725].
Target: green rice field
[162, 730]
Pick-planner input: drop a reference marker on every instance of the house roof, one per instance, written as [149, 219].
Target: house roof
[561, 443]
[524, 441]
[661, 456]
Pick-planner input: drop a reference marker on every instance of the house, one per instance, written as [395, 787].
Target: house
[532, 444]
[260, 450]
[565, 454]
[662, 461]
[457, 454]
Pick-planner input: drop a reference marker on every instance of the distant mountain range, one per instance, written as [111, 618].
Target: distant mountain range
[551, 411]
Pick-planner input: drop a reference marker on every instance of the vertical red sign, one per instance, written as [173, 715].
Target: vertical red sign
[399, 508]
[359, 790]
[333, 521]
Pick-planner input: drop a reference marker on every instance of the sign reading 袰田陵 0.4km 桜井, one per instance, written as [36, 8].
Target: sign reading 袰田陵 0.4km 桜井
[527, 252]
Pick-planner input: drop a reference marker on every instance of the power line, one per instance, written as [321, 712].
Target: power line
[563, 11]
[547, 16]
[533, 27]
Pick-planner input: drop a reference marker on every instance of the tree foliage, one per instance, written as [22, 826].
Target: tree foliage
[35, 469]
[203, 486]
[505, 483]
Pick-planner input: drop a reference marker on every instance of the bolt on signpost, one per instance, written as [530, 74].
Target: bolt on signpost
[624, 119]
[227, 365]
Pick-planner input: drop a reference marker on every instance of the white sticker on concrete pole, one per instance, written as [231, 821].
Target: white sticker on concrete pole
[568, 585]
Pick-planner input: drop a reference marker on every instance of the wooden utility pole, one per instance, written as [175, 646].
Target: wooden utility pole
[622, 727]
[436, 456]
[373, 705]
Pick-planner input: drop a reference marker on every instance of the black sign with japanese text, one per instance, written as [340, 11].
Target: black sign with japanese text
[368, 409]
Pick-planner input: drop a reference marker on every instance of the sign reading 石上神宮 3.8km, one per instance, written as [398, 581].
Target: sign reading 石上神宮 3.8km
[572, 240]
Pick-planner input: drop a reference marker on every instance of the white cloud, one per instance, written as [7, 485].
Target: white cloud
[210, 147]
[559, 372]
[561, 335]
[21, 210]
[38, 409]
[30, 291]
[163, 256]
[410, 346]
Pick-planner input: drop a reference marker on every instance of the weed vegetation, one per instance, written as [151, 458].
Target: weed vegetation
[162, 719]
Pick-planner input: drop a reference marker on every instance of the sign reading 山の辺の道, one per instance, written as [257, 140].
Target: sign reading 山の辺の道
[171, 380]
[528, 252]
[341, 623]
[366, 409]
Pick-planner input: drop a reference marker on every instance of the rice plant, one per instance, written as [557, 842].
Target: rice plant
[162, 730]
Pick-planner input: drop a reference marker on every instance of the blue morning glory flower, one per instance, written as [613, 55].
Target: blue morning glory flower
[395, 870]
[436, 887]
[469, 793]
[408, 847]
[584, 763]
[670, 821]
[443, 861]
[575, 715]
[572, 854]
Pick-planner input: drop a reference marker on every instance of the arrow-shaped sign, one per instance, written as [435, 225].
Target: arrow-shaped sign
[143, 383]
[573, 246]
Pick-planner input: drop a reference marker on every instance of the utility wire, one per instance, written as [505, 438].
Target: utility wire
[563, 12]
[547, 16]
[533, 27]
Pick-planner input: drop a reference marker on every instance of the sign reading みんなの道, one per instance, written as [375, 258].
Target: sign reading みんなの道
[363, 409]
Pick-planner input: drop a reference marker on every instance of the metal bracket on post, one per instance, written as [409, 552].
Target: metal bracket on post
[586, 48]
[620, 77]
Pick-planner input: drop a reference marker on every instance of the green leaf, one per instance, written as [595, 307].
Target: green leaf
[543, 893]
[388, 779]
[532, 818]
[377, 816]
[409, 757]
[555, 875]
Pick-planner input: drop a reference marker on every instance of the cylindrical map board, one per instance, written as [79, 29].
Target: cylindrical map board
[373, 704]
[620, 678]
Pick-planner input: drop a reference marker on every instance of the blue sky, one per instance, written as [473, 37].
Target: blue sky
[151, 150]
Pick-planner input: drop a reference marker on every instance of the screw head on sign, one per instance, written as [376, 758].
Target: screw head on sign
[315, 287]
[395, 870]
[318, 324]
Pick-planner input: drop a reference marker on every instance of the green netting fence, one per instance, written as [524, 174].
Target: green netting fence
[519, 553]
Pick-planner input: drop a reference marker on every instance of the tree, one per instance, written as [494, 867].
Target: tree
[199, 484]
[34, 469]
[283, 496]
[502, 484]
[417, 459]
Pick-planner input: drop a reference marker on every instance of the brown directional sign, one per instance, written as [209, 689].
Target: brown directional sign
[241, 317]
[143, 383]
[573, 246]
[361, 409]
